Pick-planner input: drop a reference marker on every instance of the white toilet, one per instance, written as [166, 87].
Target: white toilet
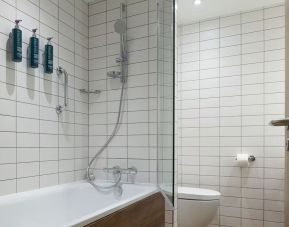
[196, 206]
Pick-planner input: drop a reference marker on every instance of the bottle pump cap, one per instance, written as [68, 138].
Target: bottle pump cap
[34, 32]
[49, 40]
[17, 23]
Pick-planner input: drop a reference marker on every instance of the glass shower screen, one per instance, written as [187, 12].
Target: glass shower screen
[166, 72]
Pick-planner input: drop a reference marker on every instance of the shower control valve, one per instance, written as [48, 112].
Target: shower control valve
[114, 74]
[120, 60]
[124, 58]
[132, 170]
[117, 170]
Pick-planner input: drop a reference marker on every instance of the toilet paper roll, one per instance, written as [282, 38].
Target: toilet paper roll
[243, 160]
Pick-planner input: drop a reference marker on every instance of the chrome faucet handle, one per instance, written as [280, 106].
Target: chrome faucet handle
[114, 170]
[123, 58]
[132, 170]
[114, 74]
[118, 60]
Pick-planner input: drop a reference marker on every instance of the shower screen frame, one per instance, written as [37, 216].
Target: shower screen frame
[286, 191]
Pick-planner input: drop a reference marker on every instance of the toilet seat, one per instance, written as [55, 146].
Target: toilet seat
[198, 194]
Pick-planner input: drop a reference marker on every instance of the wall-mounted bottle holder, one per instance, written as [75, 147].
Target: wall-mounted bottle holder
[16, 37]
[96, 92]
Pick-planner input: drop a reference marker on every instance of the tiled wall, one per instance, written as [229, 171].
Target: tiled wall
[231, 85]
[135, 144]
[38, 148]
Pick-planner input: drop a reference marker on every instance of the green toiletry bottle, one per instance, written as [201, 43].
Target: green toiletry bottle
[34, 50]
[17, 43]
[48, 64]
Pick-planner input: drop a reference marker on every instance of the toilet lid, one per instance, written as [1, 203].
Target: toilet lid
[198, 194]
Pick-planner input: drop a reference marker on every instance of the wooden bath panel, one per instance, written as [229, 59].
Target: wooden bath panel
[149, 212]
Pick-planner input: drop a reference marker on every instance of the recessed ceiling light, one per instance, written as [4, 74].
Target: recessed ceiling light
[197, 2]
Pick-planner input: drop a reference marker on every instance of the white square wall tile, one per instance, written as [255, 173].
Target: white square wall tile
[27, 184]
[274, 12]
[27, 169]
[209, 25]
[7, 187]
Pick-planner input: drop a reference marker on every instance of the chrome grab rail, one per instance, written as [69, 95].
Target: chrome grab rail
[281, 122]
[60, 108]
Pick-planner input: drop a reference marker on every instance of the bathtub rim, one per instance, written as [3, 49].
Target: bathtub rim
[89, 218]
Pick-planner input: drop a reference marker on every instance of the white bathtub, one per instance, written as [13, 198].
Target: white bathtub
[74, 204]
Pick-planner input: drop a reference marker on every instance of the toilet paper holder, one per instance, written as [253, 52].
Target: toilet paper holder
[251, 158]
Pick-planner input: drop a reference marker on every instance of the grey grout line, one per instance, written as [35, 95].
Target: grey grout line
[88, 160]
[39, 164]
[241, 128]
[264, 128]
[107, 128]
[199, 125]
[58, 117]
[148, 101]
[15, 66]
[74, 128]
[219, 119]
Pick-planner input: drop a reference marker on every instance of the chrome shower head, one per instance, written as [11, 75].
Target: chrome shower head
[120, 26]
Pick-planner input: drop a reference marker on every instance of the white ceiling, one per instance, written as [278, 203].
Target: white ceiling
[188, 12]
